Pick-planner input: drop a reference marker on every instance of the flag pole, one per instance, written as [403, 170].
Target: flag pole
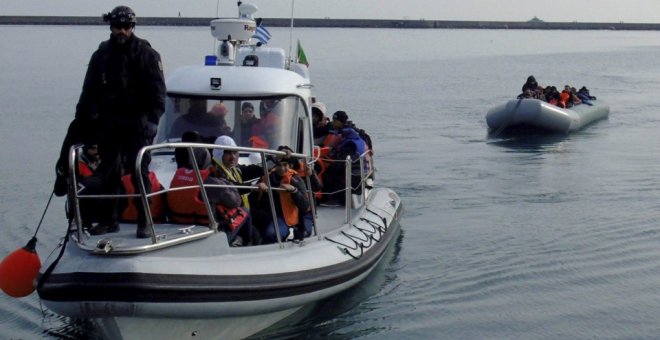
[291, 36]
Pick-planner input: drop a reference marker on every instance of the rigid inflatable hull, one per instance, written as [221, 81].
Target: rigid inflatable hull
[543, 115]
[234, 285]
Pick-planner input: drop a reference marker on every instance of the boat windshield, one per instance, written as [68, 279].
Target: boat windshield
[265, 122]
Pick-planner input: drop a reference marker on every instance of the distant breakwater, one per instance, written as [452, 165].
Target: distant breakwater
[354, 23]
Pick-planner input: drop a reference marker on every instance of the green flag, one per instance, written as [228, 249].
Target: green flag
[302, 58]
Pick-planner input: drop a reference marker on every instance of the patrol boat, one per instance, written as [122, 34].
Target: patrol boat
[187, 280]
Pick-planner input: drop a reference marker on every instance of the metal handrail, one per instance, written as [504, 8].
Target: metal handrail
[141, 192]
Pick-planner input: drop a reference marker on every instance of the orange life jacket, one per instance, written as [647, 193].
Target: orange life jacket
[185, 205]
[564, 97]
[258, 142]
[234, 216]
[187, 208]
[156, 205]
[332, 140]
[289, 208]
[320, 155]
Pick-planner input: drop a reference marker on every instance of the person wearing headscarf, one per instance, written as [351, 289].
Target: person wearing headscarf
[187, 206]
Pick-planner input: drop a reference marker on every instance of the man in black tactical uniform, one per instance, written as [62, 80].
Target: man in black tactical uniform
[123, 97]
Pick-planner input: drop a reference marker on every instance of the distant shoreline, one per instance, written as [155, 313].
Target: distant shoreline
[348, 23]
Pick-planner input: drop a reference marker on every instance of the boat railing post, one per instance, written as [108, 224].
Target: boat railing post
[362, 178]
[264, 166]
[143, 195]
[73, 190]
[348, 187]
[213, 225]
[312, 200]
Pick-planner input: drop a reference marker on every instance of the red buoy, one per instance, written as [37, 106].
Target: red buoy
[19, 269]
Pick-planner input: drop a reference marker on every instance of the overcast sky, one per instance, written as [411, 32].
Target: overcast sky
[645, 11]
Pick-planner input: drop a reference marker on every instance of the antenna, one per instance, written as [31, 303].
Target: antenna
[291, 35]
[217, 15]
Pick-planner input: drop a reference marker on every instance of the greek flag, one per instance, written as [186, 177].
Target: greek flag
[262, 34]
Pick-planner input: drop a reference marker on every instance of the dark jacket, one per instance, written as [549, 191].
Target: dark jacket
[122, 81]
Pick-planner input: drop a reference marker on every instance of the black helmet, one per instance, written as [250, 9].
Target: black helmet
[120, 14]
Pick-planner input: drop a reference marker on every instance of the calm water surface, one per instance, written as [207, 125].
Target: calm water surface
[541, 237]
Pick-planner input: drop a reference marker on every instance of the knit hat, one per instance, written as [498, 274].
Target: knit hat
[224, 141]
[340, 116]
[293, 162]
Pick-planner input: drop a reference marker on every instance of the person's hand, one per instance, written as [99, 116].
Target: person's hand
[287, 152]
[262, 187]
[288, 187]
[308, 170]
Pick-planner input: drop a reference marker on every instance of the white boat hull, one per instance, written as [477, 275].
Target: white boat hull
[204, 286]
[543, 115]
[200, 328]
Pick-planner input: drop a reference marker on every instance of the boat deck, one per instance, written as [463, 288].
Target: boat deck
[328, 220]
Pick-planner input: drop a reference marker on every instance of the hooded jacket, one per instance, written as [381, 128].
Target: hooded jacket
[123, 80]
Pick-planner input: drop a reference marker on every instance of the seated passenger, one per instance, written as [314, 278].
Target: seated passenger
[209, 124]
[584, 96]
[530, 84]
[349, 143]
[584, 91]
[248, 120]
[187, 206]
[552, 95]
[292, 206]
[225, 165]
[264, 131]
[90, 183]
[157, 204]
[320, 122]
[526, 94]
[574, 98]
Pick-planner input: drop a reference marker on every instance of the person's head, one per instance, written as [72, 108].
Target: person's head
[318, 112]
[247, 111]
[197, 106]
[92, 152]
[283, 164]
[531, 80]
[202, 157]
[339, 118]
[219, 110]
[122, 21]
[267, 106]
[228, 158]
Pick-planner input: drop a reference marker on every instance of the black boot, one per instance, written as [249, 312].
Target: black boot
[143, 231]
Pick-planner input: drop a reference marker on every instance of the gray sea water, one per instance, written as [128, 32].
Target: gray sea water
[538, 237]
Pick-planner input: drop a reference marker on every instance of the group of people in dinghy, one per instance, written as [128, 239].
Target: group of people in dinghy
[567, 98]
